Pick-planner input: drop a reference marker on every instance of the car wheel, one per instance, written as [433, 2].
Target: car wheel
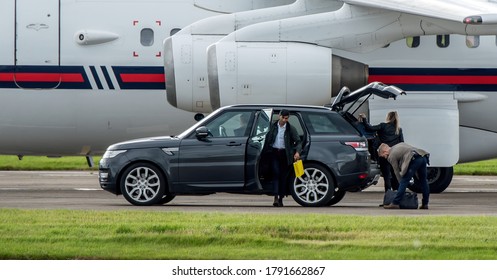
[166, 198]
[337, 197]
[315, 188]
[142, 184]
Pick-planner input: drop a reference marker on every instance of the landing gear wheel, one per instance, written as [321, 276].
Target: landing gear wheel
[439, 179]
[143, 184]
[315, 188]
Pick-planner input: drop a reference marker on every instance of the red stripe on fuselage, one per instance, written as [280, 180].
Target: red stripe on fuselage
[434, 80]
[143, 78]
[42, 77]
[6, 77]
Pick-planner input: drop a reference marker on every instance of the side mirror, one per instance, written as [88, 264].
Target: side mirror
[202, 132]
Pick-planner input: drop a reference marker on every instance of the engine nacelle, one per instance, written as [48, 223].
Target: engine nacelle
[278, 73]
[186, 52]
[186, 72]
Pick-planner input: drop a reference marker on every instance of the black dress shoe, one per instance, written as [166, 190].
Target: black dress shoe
[424, 206]
[276, 202]
[280, 202]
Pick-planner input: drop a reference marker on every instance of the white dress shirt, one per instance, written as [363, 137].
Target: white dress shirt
[279, 142]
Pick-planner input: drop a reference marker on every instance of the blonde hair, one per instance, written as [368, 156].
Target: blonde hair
[393, 117]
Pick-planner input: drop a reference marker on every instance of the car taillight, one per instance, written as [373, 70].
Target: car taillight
[363, 175]
[358, 145]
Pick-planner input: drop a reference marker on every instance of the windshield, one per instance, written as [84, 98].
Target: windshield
[200, 123]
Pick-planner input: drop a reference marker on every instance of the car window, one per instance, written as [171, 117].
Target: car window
[262, 125]
[326, 123]
[293, 120]
[230, 124]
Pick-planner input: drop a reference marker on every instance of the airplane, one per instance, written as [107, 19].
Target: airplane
[79, 75]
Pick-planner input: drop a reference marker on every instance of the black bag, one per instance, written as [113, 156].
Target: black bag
[409, 201]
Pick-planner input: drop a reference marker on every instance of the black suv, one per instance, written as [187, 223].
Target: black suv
[224, 153]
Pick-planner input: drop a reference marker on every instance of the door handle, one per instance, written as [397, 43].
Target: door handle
[234, 144]
[258, 138]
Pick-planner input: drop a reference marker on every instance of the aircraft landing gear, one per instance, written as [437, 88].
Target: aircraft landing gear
[439, 179]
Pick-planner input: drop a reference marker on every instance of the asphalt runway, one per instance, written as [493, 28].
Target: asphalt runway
[467, 195]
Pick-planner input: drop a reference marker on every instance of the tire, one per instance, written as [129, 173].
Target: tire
[315, 188]
[439, 179]
[165, 199]
[143, 184]
[337, 197]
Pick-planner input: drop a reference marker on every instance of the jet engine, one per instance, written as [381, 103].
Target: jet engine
[185, 56]
[278, 73]
[259, 72]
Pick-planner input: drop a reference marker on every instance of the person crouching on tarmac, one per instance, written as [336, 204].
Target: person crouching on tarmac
[407, 162]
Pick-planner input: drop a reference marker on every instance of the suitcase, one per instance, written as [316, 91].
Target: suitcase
[409, 201]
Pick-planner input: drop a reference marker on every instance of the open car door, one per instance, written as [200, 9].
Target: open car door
[255, 145]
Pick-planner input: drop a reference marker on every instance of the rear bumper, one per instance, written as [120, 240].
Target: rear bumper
[360, 181]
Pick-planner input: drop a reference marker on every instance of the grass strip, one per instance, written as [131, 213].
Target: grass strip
[141, 235]
[46, 163]
[481, 168]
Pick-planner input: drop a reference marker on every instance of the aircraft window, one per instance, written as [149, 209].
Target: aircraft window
[174, 31]
[472, 41]
[443, 41]
[147, 37]
[413, 42]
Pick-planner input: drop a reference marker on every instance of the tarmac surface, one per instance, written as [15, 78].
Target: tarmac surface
[467, 195]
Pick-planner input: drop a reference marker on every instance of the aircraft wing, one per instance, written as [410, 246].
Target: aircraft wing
[465, 11]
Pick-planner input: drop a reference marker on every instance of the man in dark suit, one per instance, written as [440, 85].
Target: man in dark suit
[285, 146]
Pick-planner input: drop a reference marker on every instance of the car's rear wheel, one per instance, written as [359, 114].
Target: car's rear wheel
[166, 198]
[315, 188]
[337, 197]
[142, 184]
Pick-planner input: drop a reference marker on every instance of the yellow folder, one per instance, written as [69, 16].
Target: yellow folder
[298, 166]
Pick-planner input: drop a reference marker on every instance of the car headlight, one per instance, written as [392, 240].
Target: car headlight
[111, 154]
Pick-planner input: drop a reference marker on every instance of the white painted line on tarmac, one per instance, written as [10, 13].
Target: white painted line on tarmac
[477, 179]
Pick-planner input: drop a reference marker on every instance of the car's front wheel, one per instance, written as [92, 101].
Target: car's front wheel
[143, 184]
[315, 188]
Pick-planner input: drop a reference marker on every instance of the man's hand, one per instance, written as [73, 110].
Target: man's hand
[296, 156]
